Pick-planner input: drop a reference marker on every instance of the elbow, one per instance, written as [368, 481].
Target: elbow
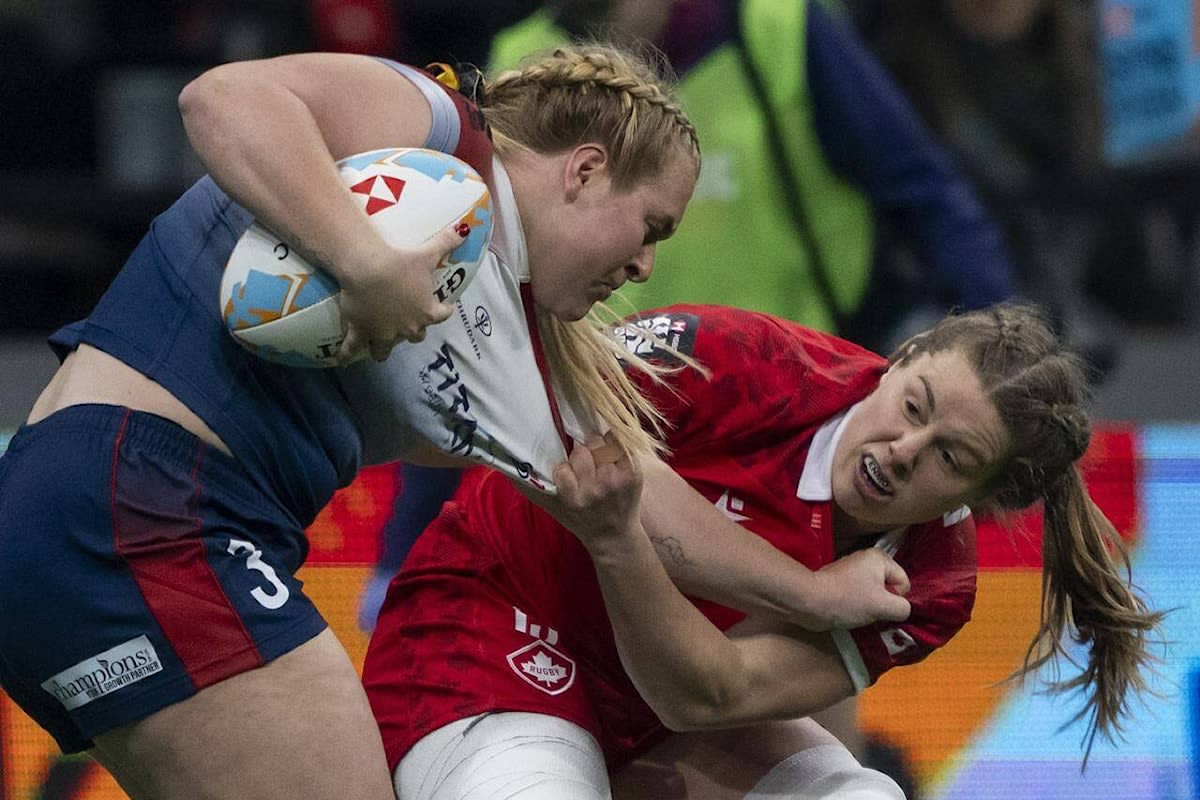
[703, 708]
[691, 725]
[209, 104]
[198, 95]
[199, 105]
[684, 719]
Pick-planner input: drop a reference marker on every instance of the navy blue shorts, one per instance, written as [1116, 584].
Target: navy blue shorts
[137, 566]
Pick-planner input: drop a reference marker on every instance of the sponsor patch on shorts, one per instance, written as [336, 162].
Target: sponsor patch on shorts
[104, 673]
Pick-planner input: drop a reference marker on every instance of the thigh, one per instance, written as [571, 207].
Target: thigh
[296, 728]
[504, 756]
[137, 567]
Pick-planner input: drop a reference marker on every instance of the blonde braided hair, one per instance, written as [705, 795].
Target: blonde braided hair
[624, 100]
[591, 92]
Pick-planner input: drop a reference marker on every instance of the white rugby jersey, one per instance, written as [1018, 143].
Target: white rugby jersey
[474, 387]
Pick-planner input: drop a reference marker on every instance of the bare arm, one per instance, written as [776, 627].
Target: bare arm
[709, 555]
[693, 675]
[269, 133]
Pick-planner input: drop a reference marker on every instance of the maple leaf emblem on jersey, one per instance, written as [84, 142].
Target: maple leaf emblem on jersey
[543, 667]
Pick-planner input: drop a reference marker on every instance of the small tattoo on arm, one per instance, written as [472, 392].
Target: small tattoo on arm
[671, 548]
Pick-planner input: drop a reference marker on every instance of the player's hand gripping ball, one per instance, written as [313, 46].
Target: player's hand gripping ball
[285, 310]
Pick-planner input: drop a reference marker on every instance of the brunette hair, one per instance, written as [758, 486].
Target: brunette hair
[1040, 391]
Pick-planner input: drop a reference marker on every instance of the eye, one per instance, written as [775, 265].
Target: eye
[911, 410]
[949, 460]
[658, 230]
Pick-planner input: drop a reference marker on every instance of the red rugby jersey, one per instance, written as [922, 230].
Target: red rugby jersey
[742, 439]
[446, 647]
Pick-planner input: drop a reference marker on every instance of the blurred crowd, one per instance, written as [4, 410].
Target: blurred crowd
[1012, 89]
[960, 147]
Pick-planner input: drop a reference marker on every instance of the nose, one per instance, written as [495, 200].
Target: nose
[638, 270]
[905, 449]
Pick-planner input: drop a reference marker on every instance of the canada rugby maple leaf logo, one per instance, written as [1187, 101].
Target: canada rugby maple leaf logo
[543, 667]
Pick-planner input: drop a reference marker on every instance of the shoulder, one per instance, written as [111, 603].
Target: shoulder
[713, 331]
[764, 374]
[940, 558]
[774, 352]
[459, 127]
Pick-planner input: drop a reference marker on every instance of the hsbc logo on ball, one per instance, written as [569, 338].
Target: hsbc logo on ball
[382, 192]
[543, 667]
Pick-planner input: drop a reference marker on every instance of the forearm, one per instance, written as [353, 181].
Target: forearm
[695, 676]
[709, 555]
[682, 665]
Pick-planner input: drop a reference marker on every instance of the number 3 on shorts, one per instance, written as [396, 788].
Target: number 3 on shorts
[271, 600]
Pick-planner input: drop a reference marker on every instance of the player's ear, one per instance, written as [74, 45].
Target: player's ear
[582, 165]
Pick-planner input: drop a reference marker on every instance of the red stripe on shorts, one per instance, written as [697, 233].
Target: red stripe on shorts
[155, 529]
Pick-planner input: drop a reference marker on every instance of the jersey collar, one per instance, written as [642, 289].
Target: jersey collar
[508, 238]
[816, 481]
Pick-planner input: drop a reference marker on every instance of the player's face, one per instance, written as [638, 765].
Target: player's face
[607, 236]
[922, 444]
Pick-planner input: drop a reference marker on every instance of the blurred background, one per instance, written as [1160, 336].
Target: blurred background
[1074, 122]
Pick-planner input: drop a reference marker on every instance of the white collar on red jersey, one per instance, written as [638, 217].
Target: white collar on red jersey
[816, 482]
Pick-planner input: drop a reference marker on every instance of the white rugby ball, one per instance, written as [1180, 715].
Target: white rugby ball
[285, 310]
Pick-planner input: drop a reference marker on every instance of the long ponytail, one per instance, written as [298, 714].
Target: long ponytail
[1040, 392]
[1087, 594]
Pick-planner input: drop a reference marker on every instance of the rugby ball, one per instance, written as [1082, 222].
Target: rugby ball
[286, 310]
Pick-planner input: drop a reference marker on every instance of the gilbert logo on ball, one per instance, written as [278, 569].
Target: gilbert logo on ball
[285, 310]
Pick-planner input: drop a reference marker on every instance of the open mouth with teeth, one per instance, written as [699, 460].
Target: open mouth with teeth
[874, 475]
